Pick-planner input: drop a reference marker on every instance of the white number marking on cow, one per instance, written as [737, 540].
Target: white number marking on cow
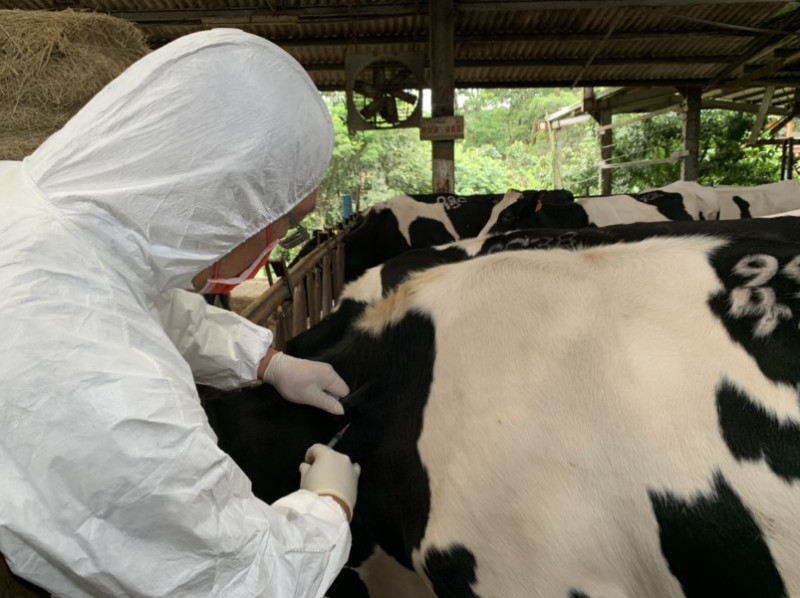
[792, 271]
[762, 267]
[451, 202]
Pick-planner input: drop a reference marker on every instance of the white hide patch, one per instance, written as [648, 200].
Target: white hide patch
[619, 209]
[366, 288]
[568, 384]
[407, 209]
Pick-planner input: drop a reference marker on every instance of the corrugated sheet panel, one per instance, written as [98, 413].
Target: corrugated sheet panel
[498, 43]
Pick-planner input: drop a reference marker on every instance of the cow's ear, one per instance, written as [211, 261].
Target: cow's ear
[558, 197]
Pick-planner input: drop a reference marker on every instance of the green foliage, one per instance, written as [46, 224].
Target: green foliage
[371, 166]
[724, 157]
[504, 147]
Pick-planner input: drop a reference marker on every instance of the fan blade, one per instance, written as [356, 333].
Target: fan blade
[389, 113]
[365, 89]
[408, 98]
[373, 108]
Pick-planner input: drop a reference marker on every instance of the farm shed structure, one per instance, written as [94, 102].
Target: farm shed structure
[699, 50]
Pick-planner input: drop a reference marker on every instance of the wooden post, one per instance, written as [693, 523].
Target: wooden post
[606, 150]
[690, 167]
[442, 40]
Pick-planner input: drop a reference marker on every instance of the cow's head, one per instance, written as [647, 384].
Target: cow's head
[528, 209]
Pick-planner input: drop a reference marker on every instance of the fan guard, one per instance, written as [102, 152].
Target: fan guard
[384, 91]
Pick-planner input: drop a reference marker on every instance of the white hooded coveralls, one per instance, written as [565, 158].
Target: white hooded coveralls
[112, 482]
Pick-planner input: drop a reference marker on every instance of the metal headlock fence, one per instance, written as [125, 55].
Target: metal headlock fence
[302, 295]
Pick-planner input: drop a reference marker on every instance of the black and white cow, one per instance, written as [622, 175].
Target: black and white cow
[412, 221]
[614, 414]
[682, 200]
[728, 202]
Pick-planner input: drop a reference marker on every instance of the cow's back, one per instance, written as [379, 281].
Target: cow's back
[577, 432]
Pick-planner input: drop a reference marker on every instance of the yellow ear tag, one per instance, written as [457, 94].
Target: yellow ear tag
[538, 206]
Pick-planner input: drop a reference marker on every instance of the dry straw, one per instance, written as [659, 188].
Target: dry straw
[51, 64]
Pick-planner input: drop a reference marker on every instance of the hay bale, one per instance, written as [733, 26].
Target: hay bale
[51, 64]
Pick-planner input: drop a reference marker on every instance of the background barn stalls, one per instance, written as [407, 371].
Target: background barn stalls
[414, 221]
[681, 200]
[408, 222]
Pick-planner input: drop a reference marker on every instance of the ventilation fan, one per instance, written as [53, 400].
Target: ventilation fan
[383, 92]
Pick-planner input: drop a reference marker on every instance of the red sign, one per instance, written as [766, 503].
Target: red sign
[441, 128]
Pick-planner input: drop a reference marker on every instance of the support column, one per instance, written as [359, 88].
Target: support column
[690, 167]
[606, 149]
[442, 40]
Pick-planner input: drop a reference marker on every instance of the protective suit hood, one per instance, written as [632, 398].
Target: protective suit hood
[186, 154]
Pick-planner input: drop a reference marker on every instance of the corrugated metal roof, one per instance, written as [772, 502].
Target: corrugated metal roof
[531, 43]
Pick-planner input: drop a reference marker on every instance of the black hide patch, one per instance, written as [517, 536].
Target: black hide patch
[670, 205]
[394, 494]
[541, 209]
[467, 213]
[752, 434]
[396, 270]
[577, 594]
[329, 331]
[714, 547]
[425, 232]
[760, 303]
[451, 571]
[562, 216]
[374, 241]
[267, 436]
[529, 239]
[347, 585]
[743, 205]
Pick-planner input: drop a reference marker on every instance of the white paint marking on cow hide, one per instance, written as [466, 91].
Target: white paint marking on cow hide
[559, 402]
[755, 299]
[509, 198]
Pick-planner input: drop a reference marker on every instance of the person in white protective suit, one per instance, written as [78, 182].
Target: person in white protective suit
[112, 481]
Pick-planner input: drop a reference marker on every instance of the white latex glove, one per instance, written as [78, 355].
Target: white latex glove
[327, 472]
[306, 382]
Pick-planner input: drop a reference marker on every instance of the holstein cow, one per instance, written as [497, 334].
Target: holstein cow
[727, 202]
[614, 415]
[677, 201]
[412, 221]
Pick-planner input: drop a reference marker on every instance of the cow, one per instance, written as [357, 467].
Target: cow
[413, 221]
[726, 202]
[600, 412]
[682, 200]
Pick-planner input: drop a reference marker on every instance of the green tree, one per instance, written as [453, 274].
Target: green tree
[505, 147]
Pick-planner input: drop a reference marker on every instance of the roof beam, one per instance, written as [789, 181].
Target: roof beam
[741, 107]
[606, 61]
[761, 115]
[476, 5]
[765, 70]
[475, 38]
[367, 10]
